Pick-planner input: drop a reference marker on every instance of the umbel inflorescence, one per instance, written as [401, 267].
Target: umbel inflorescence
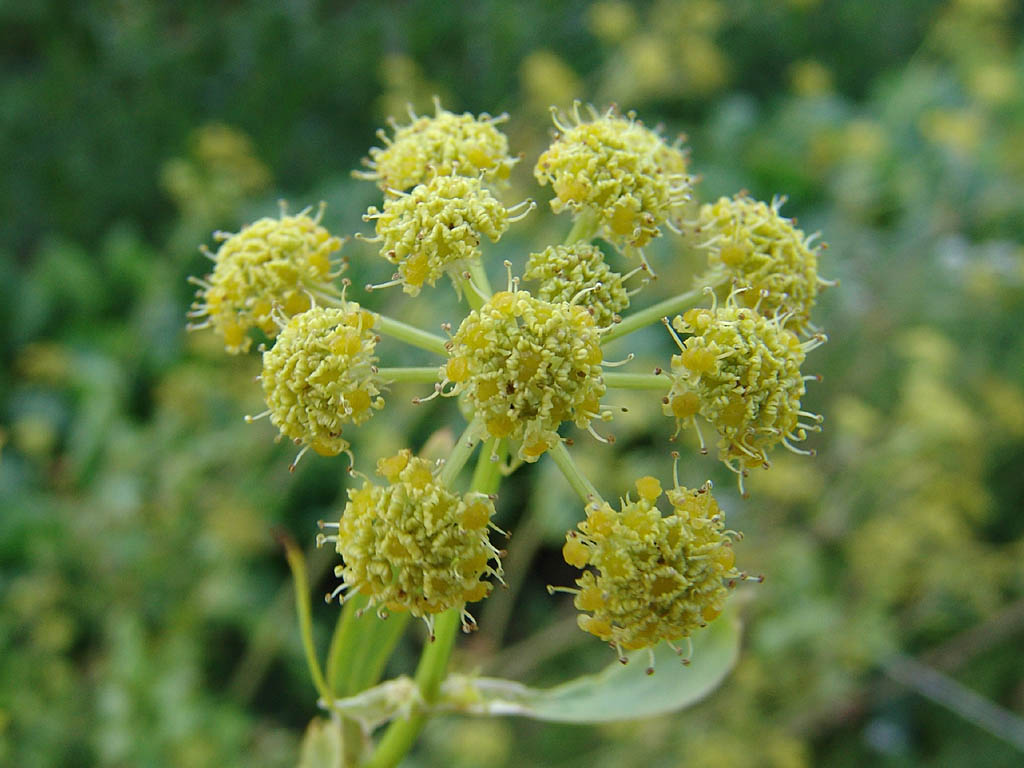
[652, 577]
[414, 544]
[528, 363]
[271, 265]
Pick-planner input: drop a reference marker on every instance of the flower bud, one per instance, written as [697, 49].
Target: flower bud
[437, 228]
[740, 371]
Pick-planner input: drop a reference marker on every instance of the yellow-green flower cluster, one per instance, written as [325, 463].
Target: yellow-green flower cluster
[270, 265]
[564, 271]
[413, 544]
[220, 171]
[526, 365]
[614, 169]
[320, 375]
[741, 372]
[751, 243]
[651, 577]
[437, 228]
[444, 144]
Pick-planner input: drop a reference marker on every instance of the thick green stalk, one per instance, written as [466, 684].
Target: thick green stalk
[359, 650]
[460, 454]
[430, 672]
[376, 649]
[487, 474]
[469, 290]
[584, 227]
[653, 314]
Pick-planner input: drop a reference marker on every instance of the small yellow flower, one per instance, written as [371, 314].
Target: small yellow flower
[750, 243]
[414, 545]
[546, 79]
[611, 20]
[526, 365]
[613, 168]
[270, 266]
[741, 372]
[650, 577]
[444, 144]
[563, 271]
[437, 228]
[320, 375]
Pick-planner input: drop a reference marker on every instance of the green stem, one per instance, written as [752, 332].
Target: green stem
[360, 649]
[583, 487]
[430, 672]
[584, 227]
[297, 563]
[402, 733]
[636, 380]
[340, 674]
[410, 334]
[487, 474]
[353, 742]
[424, 374]
[460, 454]
[653, 314]
[470, 290]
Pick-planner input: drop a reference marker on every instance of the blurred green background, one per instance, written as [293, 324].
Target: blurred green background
[146, 616]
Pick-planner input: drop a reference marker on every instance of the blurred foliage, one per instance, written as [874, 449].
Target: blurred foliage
[147, 616]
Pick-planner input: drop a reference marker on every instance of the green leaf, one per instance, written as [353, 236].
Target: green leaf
[618, 692]
[321, 745]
